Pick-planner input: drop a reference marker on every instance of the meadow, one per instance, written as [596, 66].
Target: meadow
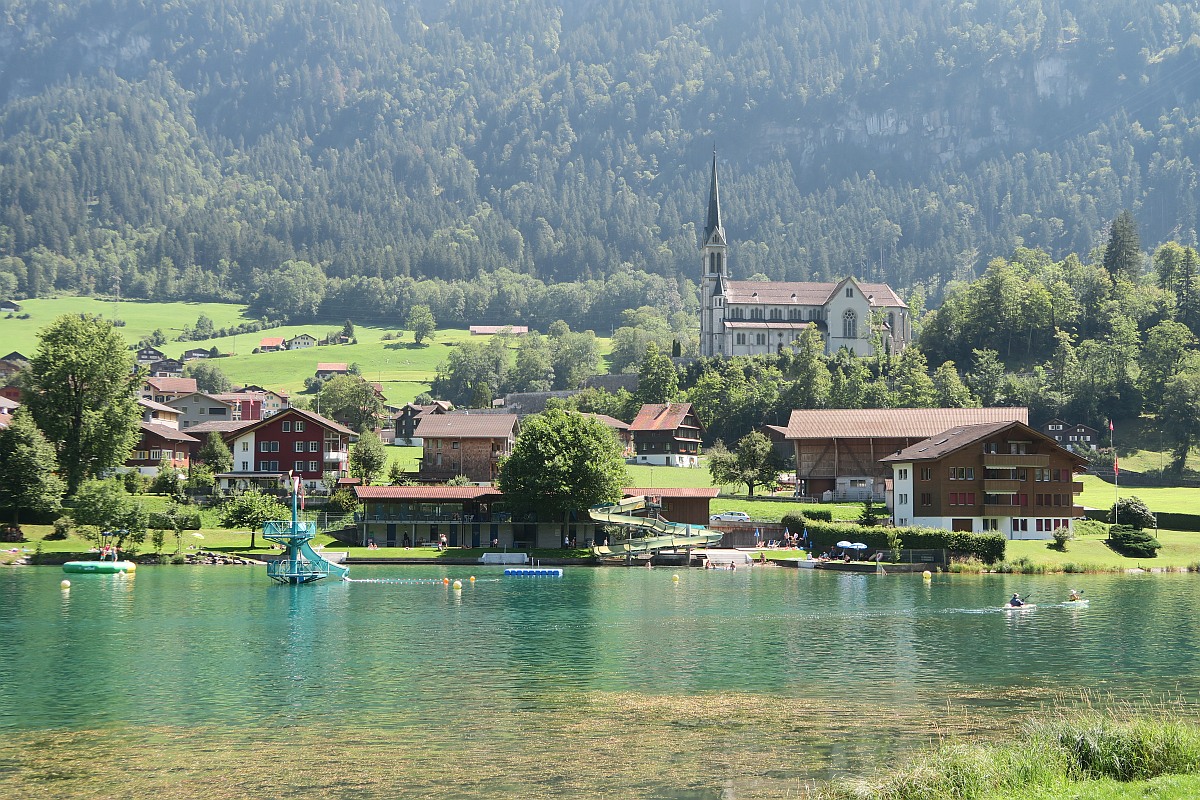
[404, 368]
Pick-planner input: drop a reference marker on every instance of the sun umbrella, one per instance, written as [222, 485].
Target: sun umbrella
[198, 535]
[843, 543]
[858, 546]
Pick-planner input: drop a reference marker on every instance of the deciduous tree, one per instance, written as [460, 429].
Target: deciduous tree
[367, 457]
[28, 469]
[251, 510]
[80, 390]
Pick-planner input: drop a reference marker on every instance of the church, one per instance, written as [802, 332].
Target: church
[747, 318]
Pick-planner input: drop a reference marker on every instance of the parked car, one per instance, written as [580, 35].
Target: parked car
[730, 516]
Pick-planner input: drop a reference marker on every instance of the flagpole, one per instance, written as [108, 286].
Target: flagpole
[1112, 442]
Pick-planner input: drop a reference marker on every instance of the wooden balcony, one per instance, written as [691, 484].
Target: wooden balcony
[1001, 486]
[1010, 460]
[1076, 487]
[991, 510]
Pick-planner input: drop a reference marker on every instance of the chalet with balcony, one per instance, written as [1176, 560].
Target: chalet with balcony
[410, 414]
[196, 353]
[465, 444]
[166, 368]
[838, 450]
[476, 516]
[668, 434]
[1002, 477]
[145, 356]
[1080, 437]
[293, 441]
[200, 407]
[301, 341]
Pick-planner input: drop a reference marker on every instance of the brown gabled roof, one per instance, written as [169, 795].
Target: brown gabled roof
[297, 412]
[182, 385]
[220, 426]
[168, 433]
[611, 422]
[804, 293]
[153, 406]
[901, 423]
[660, 416]
[672, 491]
[452, 425]
[332, 366]
[425, 493]
[954, 439]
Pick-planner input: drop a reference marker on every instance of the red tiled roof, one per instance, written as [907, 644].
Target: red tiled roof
[672, 491]
[466, 426]
[331, 366]
[271, 341]
[865, 423]
[425, 492]
[167, 432]
[288, 413]
[173, 385]
[660, 416]
[803, 293]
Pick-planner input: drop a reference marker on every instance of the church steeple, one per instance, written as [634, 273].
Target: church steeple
[713, 224]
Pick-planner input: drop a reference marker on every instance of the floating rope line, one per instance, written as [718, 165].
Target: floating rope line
[415, 581]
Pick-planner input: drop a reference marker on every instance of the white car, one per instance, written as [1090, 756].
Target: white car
[730, 516]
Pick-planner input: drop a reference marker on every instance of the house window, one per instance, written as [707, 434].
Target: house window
[762, 338]
[264, 447]
[454, 445]
[202, 411]
[245, 466]
[756, 313]
[902, 474]
[312, 466]
[299, 426]
[314, 447]
[287, 426]
[926, 473]
[741, 338]
[903, 499]
[245, 446]
[298, 466]
[850, 324]
[926, 499]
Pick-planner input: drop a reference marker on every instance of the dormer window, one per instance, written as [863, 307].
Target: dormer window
[849, 291]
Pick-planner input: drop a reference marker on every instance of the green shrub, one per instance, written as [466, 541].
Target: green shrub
[62, 529]
[1131, 511]
[1022, 565]
[1133, 542]
[1061, 537]
[188, 519]
[818, 514]
[987, 547]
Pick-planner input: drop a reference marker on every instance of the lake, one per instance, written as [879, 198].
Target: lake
[215, 682]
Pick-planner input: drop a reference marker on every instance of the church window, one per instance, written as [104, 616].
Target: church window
[849, 291]
[776, 313]
[741, 338]
[761, 338]
[756, 313]
[892, 320]
[850, 325]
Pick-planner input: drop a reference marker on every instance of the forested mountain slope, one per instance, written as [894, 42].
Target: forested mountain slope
[468, 154]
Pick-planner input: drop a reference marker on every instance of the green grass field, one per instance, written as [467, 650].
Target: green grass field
[1100, 494]
[1180, 549]
[404, 369]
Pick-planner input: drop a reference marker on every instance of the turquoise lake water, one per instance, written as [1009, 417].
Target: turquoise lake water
[606, 682]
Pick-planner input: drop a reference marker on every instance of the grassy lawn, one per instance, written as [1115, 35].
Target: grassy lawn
[1099, 494]
[1180, 549]
[409, 458]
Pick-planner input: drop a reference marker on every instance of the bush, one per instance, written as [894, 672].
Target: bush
[1131, 511]
[62, 529]
[1061, 537]
[1133, 542]
[188, 519]
[987, 547]
[135, 482]
[343, 500]
[818, 514]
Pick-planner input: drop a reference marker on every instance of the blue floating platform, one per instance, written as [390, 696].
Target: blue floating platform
[530, 572]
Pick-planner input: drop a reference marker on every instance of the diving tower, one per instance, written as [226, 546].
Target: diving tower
[301, 564]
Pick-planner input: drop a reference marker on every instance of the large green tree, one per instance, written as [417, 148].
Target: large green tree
[106, 505]
[80, 389]
[1123, 255]
[754, 462]
[421, 323]
[251, 510]
[209, 377]
[563, 462]
[350, 399]
[658, 379]
[28, 469]
[215, 453]
[367, 457]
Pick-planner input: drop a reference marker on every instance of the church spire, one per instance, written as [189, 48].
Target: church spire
[713, 224]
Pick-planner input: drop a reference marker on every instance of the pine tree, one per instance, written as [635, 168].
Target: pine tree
[1123, 256]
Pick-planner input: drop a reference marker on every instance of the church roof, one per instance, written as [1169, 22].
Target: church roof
[794, 325]
[804, 293]
[713, 222]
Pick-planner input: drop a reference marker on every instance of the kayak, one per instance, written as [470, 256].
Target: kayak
[1077, 603]
[1026, 607]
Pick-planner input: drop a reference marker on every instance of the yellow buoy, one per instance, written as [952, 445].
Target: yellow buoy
[472, 579]
[458, 584]
[65, 584]
[675, 578]
[927, 575]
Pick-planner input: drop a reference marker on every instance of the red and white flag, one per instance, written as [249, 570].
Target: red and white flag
[1116, 467]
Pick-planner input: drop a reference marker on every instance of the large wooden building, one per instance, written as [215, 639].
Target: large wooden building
[838, 451]
[1002, 477]
[668, 434]
[465, 444]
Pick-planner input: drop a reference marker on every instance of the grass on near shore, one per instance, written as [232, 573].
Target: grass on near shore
[1171, 499]
[1081, 754]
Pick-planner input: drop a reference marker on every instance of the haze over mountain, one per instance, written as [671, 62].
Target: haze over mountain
[467, 154]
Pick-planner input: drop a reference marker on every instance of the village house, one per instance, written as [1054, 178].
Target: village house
[1001, 477]
[301, 341]
[329, 369]
[272, 402]
[667, 434]
[9, 306]
[620, 430]
[838, 450]
[166, 368]
[164, 390]
[8, 405]
[411, 413]
[1068, 435]
[195, 354]
[160, 440]
[294, 441]
[147, 355]
[465, 444]
[271, 344]
[476, 516]
[200, 407]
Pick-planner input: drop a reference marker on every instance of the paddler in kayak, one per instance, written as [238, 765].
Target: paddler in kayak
[1015, 601]
[1074, 598]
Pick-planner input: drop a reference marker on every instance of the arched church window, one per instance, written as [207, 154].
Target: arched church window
[849, 324]
[756, 313]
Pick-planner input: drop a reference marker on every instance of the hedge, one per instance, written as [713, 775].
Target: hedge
[987, 547]
[188, 520]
